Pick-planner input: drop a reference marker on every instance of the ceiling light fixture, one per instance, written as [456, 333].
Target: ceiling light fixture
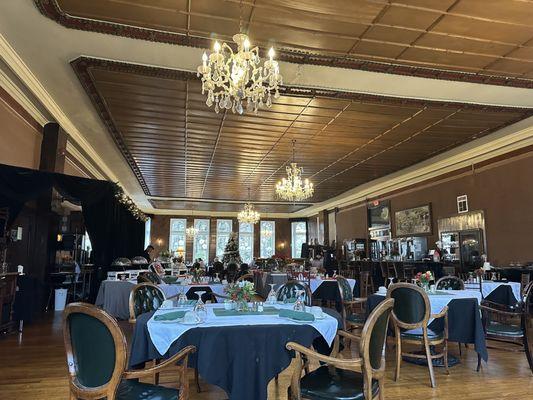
[230, 78]
[248, 214]
[293, 188]
[191, 231]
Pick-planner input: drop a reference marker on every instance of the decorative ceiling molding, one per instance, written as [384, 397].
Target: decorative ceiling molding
[52, 10]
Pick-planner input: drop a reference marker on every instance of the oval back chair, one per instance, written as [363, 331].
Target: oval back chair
[144, 297]
[149, 277]
[450, 283]
[246, 277]
[96, 359]
[288, 291]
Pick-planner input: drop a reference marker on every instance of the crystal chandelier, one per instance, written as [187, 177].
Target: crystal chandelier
[293, 188]
[231, 78]
[248, 215]
[191, 231]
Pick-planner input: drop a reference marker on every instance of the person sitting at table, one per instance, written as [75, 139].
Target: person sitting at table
[218, 268]
[147, 252]
[231, 272]
[201, 263]
[316, 264]
[178, 266]
[253, 262]
[244, 270]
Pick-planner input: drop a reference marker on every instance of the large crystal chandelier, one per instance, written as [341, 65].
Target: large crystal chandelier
[248, 214]
[231, 78]
[293, 188]
[191, 231]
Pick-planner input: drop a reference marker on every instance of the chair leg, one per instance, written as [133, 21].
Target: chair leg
[381, 389]
[429, 360]
[446, 369]
[398, 353]
[156, 375]
[197, 380]
[479, 364]
[460, 351]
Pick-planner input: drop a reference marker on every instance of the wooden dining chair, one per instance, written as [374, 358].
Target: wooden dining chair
[144, 297]
[355, 378]
[245, 277]
[450, 283]
[353, 319]
[149, 277]
[410, 317]
[288, 291]
[97, 355]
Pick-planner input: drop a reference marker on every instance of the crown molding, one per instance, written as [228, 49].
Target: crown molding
[17, 65]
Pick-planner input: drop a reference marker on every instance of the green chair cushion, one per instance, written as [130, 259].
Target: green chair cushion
[333, 383]
[498, 329]
[133, 390]
[416, 334]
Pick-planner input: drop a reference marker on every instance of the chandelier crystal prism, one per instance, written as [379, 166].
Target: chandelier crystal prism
[233, 78]
[248, 214]
[294, 188]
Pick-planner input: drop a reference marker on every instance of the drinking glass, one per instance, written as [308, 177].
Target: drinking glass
[200, 309]
[182, 298]
[299, 305]
[272, 297]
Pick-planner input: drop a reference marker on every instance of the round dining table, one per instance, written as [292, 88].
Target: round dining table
[240, 359]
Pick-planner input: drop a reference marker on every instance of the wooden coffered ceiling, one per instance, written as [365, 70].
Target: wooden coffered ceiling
[489, 41]
[181, 149]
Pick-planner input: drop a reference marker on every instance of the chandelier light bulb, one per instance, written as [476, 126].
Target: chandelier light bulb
[271, 53]
[216, 47]
[246, 44]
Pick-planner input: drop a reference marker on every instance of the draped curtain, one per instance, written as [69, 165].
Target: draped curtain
[113, 230]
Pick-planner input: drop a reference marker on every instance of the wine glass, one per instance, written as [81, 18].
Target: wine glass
[200, 309]
[272, 297]
[182, 298]
[299, 304]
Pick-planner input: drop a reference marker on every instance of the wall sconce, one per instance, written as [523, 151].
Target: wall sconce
[281, 245]
[159, 242]
[59, 237]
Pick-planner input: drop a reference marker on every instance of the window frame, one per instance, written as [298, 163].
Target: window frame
[251, 236]
[176, 232]
[293, 247]
[195, 254]
[272, 238]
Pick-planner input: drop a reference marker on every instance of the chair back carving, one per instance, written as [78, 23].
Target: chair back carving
[411, 305]
[149, 277]
[96, 351]
[364, 284]
[288, 291]
[144, 297]
[373, 336]
[345, 289]
[450, 283]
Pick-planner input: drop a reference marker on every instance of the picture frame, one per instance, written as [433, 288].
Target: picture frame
[415, 221]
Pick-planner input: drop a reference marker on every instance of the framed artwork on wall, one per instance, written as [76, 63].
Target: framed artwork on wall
[413, 221]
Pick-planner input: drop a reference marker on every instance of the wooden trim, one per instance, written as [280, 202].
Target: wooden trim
[17, 108]
[52, 10]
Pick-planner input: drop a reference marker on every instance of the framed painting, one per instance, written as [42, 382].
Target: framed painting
[413, 221]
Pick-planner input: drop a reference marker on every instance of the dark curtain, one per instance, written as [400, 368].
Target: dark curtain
[113, 230]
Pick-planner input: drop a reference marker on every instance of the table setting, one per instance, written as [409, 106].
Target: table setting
[498, 291]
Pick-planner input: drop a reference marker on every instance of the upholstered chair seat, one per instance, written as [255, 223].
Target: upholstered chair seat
[334, 383]
[418, 334]
[499, 329]
[129, 389]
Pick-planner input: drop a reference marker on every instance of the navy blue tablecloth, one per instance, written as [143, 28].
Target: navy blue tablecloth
[503, 294]
[464, 322]
[239, 359]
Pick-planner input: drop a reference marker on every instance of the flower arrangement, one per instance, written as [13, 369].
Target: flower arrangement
[425, 277]
[241, 292]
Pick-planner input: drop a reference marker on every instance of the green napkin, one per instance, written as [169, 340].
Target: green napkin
[441, 293]
[297, 315]
[221, 312]
[171, 316]
[290, 300]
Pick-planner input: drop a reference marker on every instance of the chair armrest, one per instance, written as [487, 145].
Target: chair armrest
[348, 335]
[502, 312]
[182, 354]
[352, 364]
[441, 314]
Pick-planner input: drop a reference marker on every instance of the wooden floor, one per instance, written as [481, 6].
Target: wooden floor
[32, 366]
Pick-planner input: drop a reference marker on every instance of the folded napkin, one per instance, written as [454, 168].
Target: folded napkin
[289, 301]
[170, 316]
[297, 315]
[221, 312]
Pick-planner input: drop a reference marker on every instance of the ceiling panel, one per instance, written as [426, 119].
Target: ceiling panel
[492, 38]
[180, 148]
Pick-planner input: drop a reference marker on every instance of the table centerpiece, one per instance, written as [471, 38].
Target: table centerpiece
[242, 293]
[423, 278]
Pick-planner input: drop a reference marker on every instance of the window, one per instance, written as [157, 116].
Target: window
[268, 239]
[201, 240]
[299, 237]
[224, 228]
[462, 203]
[177, 240]
[147, 230]
[246, 241]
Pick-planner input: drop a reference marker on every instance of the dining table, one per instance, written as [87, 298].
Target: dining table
[464, 317]
[500, 291]
[240, 353]
[113, 296]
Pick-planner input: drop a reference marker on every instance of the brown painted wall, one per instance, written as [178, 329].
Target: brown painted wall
[20, 141]
[503, 190]
[160, 230]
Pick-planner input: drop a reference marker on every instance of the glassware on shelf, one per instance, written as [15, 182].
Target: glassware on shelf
[272, 296]
[299, 305]
[200, 309]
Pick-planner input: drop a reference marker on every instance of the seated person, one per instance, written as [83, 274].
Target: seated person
[178, 266]
[218, 268]
[244, 269]
[231, 272]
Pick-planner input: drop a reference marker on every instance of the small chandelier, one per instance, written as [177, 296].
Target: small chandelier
[248, 215]
[191, 231]
[231, 78]
[293, 188]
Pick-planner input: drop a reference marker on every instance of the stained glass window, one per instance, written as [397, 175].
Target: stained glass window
[299, 236]
[177, 242]
[268, 238]
[201, 240]
[246, 241]
[224, 228]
